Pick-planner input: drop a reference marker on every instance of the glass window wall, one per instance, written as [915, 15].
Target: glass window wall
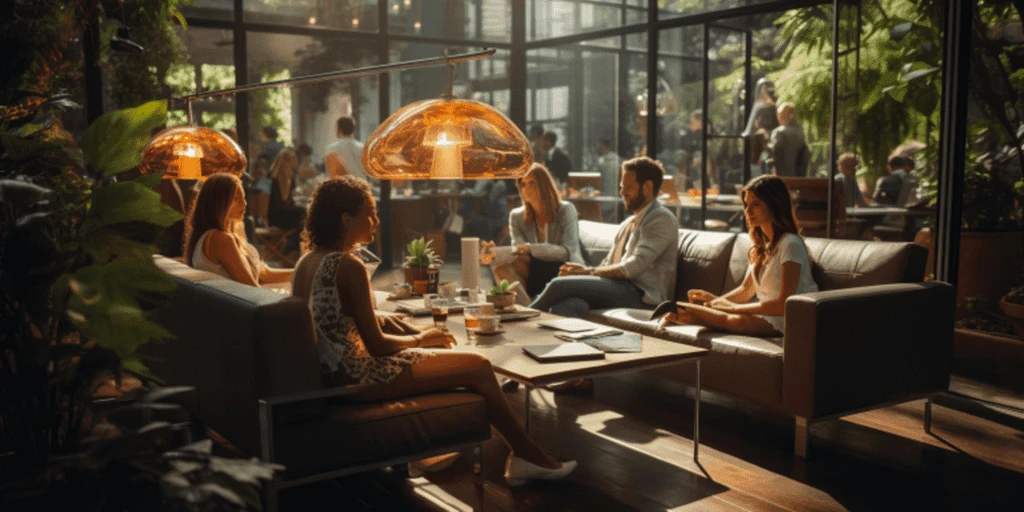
[473, 20]
[358, 15]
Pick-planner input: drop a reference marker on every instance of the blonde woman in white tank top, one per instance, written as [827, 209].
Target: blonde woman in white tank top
[780, 267]
[214, 240]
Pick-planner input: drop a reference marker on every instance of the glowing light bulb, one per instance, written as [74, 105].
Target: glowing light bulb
[312, 20]
[394, 8]
[189, 156]
[447, 162]
[408, 3]
[355, 22]
[416, 26]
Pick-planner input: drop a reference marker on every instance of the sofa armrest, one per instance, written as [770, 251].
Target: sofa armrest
[855, 348]
[306, 396]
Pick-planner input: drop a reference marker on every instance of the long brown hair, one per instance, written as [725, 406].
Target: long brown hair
[323, 228]
[210, 209]
[549, 196]
[283, 171]
[772, 191]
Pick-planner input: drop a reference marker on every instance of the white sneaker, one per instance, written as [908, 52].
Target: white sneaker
[517, 471]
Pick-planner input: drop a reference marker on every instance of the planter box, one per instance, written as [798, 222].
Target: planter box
[989, 357]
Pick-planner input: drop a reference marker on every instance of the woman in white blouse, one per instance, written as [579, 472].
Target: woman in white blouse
[544, 232]
[779, 267]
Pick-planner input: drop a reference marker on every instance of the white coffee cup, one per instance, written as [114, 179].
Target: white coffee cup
[428, 299]
[489, 323]
[402, 290]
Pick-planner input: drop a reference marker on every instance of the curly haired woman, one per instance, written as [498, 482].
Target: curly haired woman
[353, 349]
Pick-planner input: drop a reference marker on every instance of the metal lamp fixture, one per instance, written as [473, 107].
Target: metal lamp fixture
[444, 138]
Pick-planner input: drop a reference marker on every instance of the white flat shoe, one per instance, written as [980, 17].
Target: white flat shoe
[517, 471]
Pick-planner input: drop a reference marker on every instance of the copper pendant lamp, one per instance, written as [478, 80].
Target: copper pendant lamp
[192, 153]
[444, 138]
[447, 138]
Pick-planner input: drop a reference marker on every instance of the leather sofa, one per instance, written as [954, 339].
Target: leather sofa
[251, 355]
[874, 335]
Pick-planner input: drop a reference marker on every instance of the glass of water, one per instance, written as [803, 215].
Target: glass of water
[439, 310]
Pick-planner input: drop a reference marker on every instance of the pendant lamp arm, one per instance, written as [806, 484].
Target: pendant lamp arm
[445, 60]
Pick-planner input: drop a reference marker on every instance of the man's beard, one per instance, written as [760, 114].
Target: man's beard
[637, 201]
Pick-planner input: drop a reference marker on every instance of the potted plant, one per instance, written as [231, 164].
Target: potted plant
[1012, 305]
[502, 295]
[78, 290]
[420, 258]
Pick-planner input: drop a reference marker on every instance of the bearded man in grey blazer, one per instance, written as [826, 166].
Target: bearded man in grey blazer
[640, 270]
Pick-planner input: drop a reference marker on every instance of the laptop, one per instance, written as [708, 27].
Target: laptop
[563, 352]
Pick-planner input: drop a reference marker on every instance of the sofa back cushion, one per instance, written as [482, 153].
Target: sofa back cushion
[838, 264]
[703, 261]
[849, 263]
[596, 240]
[235, 344]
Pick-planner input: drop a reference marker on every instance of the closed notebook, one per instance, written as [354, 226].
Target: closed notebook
[563, 352]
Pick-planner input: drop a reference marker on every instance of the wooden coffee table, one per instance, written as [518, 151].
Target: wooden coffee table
[505, 352]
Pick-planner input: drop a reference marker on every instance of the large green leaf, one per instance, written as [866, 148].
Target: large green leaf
[150, 180]
[105, 243]
[114, 142]
[136, 366]
[127, 202]
[103, 303]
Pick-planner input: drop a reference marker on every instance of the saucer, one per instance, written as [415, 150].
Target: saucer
[489, 333]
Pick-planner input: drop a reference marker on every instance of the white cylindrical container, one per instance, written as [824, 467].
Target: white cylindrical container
[471, 263]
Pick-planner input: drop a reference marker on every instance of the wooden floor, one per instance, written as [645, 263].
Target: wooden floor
[633, 443]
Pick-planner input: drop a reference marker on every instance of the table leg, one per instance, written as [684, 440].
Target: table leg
[696, 415]
[526, 408]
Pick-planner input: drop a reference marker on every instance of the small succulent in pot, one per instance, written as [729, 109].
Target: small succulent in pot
[502, 294]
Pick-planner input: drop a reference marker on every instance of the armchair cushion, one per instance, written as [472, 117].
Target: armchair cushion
[355, 433]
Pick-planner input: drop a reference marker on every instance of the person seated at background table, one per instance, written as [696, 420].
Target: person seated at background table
[544, 232]
[640, 270]
[260, 190]
[556, 160]
[892, 190]
[852, 195]
[352, 348]
[493, 211]
[214, 237]
[779, 268]
[282, 211]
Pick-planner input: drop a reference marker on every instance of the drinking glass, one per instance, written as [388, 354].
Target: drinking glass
[439, 310]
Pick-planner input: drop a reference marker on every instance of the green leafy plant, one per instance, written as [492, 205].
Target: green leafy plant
[982, 314]
[143, 459]
[78, 285]
[420, 254]
[901, 88]
[500, 288]
[139, 77]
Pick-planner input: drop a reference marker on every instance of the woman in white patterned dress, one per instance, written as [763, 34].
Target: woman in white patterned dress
[214, 238]
[779, 268]
[343, 215]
